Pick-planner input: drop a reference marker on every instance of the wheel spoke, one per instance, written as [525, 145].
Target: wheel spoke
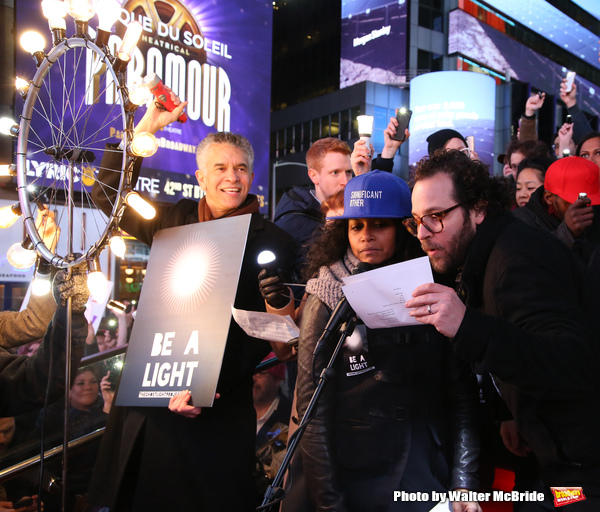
[67, 125]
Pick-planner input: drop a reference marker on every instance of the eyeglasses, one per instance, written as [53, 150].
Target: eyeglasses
[432, 222]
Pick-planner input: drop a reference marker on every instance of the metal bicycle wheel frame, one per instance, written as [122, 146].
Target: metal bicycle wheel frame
[74, 105]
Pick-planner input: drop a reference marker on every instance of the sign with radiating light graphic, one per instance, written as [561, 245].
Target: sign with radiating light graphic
[183, 318]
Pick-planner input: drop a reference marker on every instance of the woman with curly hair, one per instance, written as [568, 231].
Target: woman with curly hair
[397, 414]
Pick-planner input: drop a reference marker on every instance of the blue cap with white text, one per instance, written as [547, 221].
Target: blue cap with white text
[376, 195]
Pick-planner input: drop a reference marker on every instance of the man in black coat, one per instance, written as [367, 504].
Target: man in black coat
[524, 310]
[198, 459]
[299, 210]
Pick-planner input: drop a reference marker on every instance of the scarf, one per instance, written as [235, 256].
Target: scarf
[328, 284]
[250, 205]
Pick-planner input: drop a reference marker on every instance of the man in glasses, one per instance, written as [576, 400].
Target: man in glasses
[524, 309]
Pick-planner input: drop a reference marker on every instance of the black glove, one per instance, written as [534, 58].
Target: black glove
[74, 287]
[273, 290]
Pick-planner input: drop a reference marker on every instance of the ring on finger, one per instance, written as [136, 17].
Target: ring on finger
[429, 308]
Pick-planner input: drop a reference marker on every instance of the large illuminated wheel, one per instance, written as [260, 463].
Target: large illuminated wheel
[74, 105]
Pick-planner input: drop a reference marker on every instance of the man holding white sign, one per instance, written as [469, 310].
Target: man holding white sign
[198, 459]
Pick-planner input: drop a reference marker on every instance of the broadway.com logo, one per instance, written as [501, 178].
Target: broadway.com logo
[566, 495]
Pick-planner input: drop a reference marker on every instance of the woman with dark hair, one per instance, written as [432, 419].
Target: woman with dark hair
[530, 177]
[589, 147]
[397, 413]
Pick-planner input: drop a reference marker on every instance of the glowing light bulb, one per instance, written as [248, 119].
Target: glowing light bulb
[8, 170]
[144, 144]
[55, 11]
[130, 40]
[129, 280]
[19, 257]
[96, 282]
[108, 13]
[117, 245]
[22, 86]
[128, 271]
[97, 285]
[9, 215]
[139, 204]
[41, 284]
[140, 94]
[32, 42]
[80, 10]
[9, 127]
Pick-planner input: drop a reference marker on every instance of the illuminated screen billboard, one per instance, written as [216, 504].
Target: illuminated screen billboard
[461, 100]
[215, 55]
[373, 42]
[551, 23]
[490, 48]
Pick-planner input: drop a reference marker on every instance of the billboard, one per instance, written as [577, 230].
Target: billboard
[215, 55]
[373, 42]
[489, 47]
[551, 23]
[461, 100]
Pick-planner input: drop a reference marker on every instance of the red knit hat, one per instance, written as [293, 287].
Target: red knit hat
[570, 176]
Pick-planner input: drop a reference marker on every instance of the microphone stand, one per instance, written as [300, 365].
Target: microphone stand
[275, 491]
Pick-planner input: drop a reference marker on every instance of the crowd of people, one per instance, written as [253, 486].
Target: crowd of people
[505, 349]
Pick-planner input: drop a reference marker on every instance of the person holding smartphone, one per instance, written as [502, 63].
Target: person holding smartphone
[361, 158]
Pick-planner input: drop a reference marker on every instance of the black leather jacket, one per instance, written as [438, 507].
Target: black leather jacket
[362, 424]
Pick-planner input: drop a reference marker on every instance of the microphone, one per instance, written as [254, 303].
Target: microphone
[156, 87]
[342, 312]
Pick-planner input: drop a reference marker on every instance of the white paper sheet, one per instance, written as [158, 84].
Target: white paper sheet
[266, 326]
[442, 506]
[378, 296]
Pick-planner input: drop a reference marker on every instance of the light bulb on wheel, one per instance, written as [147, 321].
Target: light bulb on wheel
[117, 244]
[21, 254]
[108, 13]
[139, 94]
[34, 43]
[130, 40]
[41, 284]
[143, 144]
[9, 127]
[8, 170]
[22, 86]
[97, 283]
[139, 204]
[80, 10]
[55, 11]
[9, 215]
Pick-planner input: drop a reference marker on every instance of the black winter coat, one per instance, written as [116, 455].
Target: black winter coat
[373, 405]
[151, 457]
[532, 322]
